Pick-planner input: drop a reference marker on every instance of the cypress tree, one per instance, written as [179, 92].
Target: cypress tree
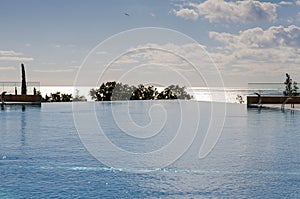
[24, 87]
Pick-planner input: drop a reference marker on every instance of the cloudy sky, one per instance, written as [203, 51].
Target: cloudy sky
[249, 41]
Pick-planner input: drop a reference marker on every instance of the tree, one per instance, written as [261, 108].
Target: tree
[291, 87]
[295, 88]
[46, 99]
[174, 92]
[180, 92]
[93, 94]
[138, 93]
[166, 94]
[144, 93]
[66, 97]
[122, 92]
[77, 97]
[38, 92]
[150, 93]
[111, 91]
[55, 97]
[104, 93]
[24, 87]
[240, 99]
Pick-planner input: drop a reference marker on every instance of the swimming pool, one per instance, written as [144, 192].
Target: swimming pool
[42, 155]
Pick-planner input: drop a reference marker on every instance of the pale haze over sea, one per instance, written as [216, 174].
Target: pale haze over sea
[199, 93]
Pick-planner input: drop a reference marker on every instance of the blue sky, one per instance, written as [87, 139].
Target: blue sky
[250, 41]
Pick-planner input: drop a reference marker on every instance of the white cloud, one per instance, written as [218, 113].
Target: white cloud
[67, 69]
[16, 58]
[184, 58]
[101, 53]
[8, 68]
[298, 2]
[186, 13]
[259, 51]
[152, 14]
[285, 3]
[275, 36]
[290, 20]
[167, 62]
[54, 70]
[232, 11]
[10, 55]
[170, 53]
[75, 67]
[298, 17]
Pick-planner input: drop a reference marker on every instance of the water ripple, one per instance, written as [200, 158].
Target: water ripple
[157, 170]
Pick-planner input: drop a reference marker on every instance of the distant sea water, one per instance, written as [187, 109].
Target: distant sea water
[228, 94]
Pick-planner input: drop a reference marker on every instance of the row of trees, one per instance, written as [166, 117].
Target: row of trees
[61, 97]
[111, 91]
[114, 91]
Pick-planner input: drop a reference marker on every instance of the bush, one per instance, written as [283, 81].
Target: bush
[111, 91]
[291, 87]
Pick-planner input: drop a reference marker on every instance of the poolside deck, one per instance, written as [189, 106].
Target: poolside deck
[22, 99]
[255, 101]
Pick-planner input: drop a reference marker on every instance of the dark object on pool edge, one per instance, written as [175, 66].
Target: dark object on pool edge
[251, 100]
[22, 99]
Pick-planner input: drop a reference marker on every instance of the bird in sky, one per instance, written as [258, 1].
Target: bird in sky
[125, 13]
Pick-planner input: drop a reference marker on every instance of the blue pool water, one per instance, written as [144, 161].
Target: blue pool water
[42, 156]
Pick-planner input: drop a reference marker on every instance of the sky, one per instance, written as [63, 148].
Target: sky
[195, 43]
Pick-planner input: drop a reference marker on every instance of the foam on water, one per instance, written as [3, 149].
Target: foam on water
[158, 170]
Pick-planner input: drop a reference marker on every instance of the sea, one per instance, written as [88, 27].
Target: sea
[208, 147]
[217, 94]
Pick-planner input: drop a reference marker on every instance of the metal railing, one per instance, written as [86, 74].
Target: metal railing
[266, 88]
[15, 87]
